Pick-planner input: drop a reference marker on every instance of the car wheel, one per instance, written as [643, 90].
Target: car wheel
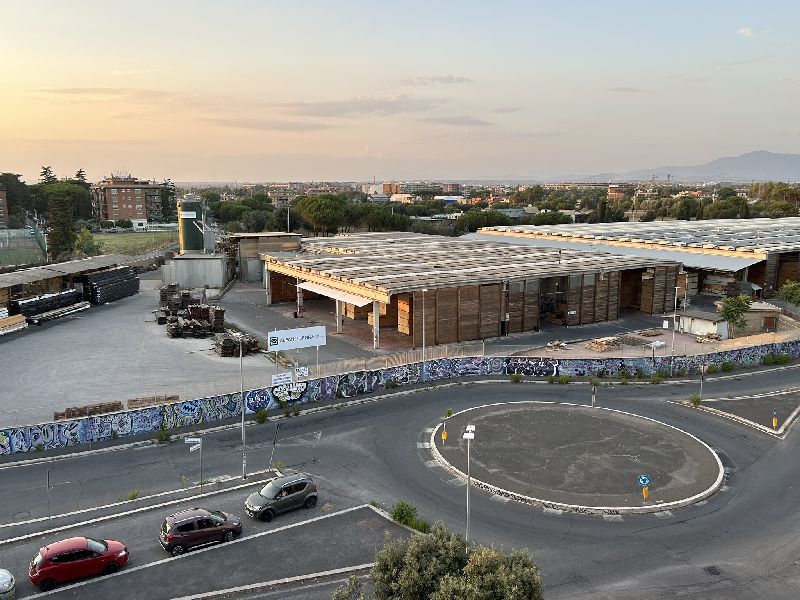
[311, 502]
[266, 516]
[110, 568]
[178, 550]
[228, 537]
[47, 585]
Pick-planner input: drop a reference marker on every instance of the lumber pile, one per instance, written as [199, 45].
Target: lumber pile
[88, 410]
[603, 344]
[227, 344]
[13, 323]
[708, 338]
[351, 311]
[111, 285]
[145, 401]
[58, 313]
[649, 332]
[30, 307]
[404, 313]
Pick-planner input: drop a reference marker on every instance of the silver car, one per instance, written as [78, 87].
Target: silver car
[7, 585]
[281, 494]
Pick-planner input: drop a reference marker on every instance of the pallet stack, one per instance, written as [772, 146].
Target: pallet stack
[165, 292]
[404, 313]
[216, 316]
[89, 410]
[30, 307]
[145, 401]
[111, 285]
[12, 324]
[227, 344]
[603, 344]
[351, 311]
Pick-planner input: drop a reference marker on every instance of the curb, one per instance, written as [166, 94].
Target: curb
[577, 508]
[780, 433]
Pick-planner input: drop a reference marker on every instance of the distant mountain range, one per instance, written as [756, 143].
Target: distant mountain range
[759, 166]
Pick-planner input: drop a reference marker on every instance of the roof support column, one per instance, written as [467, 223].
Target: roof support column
[376, 324]
[268, 285]
[300, 309]
[338, 316]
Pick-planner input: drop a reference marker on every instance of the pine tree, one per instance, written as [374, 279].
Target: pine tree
[46, 176]
[61, 224]
[80, 175]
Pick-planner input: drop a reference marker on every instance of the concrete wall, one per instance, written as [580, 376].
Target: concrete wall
[63, 434]
[196, 272]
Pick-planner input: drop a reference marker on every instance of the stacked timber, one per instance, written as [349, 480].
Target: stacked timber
[12, 324]
[111, 285]
[88, 410]
[57, 313]
[145, 401]
[646, 302]
[468, 303]
[30, 307]
[688, 282]
[603, 344]
[216, 316]
[351, 311]
[403, 313]
[165, 292]
[227, 344]
[613, 297]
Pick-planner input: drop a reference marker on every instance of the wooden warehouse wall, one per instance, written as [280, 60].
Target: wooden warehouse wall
[658, 290]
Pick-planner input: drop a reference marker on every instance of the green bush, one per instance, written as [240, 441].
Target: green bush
[133, 494]
[657, 378]
[296, 410]
[776, 359]
[163, 435]
[623, 381]
[283, 404]
[640, 374]
[551, 379]
[261, 415]
[516, 378]
[695, 399]
[594, 381]
[681, 372]
[114, 434]
[405, 513]
[712, 369]
[39, 447]
[375, 503]
[728, 366]
[563, 379]
[391, 384]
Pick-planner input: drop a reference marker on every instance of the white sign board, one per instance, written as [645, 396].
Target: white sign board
[301, 371]
[192, 441]
[290, 339]
[282, 379]
[188, 214]
[195, 447]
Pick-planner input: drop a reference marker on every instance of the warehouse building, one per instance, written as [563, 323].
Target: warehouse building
[459, 290]
[721, 257]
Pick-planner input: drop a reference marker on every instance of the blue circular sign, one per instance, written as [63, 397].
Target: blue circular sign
[644, 480]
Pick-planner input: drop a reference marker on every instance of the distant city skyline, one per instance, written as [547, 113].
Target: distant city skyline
[348, 91]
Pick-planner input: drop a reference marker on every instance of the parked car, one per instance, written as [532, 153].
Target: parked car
[281, 494]
[197, 527]
[76, 558]
[7, 585]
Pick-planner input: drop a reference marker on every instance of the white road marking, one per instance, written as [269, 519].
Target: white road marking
[498, 498]
[456, 482]
[431, 463]
[613, 518]
[423, 445]
[724, 488]
[430, 429]
[664, 514]
[701, 503]
[552, 511]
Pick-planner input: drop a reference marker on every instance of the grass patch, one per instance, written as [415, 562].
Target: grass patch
[657, 378]
[777, 359]
[695, 400]
[163, 436]
[136, 242]
[261, 415]
[133, 494]
[516, 378]
[728, 366]
[564, 379]
[405, 513]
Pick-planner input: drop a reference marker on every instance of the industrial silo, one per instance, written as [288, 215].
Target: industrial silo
[190, 225]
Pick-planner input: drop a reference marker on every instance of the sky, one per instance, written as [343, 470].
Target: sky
[350, 91]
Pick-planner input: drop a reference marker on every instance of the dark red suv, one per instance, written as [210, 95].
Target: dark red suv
[76, 558]
[197, 527]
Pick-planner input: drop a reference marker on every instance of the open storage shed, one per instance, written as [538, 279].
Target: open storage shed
[464, 290]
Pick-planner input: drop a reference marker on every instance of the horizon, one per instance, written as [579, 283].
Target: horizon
[351, 92]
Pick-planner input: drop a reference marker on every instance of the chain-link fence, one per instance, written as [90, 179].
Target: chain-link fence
[22, 247]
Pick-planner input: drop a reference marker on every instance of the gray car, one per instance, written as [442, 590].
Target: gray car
[281, 494]
[7, 585]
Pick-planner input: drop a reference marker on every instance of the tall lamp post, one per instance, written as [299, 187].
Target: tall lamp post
[244, 406]
[674, 327]
[469, 434]
[423, 332]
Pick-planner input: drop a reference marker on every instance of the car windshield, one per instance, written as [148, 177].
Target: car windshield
[217, 515]
[37, 560]
[269, 491]
[96, 545]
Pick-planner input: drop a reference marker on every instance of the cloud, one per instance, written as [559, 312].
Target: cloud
[746, 32]
[625, 90]
[267, 124]
[131, 72]
[743, 63]
[507, 109]
[462, 121]
[436, 80]
[386, 106]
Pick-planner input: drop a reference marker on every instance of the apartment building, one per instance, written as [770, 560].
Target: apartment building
[126, 197]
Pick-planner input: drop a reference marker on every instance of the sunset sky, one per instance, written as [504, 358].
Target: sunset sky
[341, 90]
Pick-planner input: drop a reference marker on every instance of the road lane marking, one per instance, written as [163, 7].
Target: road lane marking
[423, 445]
[552, 511]
[431, 463]
[617, 518]
[498, 498]
[456, 482]
[664, 514]
[701, 503]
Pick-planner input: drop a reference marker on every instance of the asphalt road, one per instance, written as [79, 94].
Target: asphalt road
[741, 543]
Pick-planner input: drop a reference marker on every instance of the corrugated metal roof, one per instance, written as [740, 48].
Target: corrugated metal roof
[60, 269]
[692, 260]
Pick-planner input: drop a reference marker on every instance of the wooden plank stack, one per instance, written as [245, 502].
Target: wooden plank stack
[351, 311]
[145, 401]
[446, 301]
[89, 410]
[603, 344]
[227, 344]
[404, 313]
[12, 323]
[468, 303]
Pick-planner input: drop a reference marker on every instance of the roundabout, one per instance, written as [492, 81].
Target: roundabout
[576, 458]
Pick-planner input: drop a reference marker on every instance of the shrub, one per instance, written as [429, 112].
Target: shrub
[623, 381]
[39, 447]
[405, 513]
[449, 413]
[133, 494]
[114, 434]
[261, 415]
[375, 503]
[296, 410]
[551, 379]
[283, 404]
[657, 378]
[695, 399]
[681, 372]
[391, 384]
[776, 359]
[594, 381]
[712, 369]
[563, 379]
[640, 374]
[728, 366]
[516, 378]
[287, 412]
[163, 435]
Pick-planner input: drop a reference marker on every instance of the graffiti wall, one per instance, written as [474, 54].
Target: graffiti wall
[63, 434]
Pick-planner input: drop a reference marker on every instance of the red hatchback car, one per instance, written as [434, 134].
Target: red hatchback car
[76, 558]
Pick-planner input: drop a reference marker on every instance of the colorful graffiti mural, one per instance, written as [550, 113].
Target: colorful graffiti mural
[63, 434]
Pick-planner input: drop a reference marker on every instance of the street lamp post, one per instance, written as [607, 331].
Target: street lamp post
[469, 434]
[423, 332]
[674, 327]
[244, 406]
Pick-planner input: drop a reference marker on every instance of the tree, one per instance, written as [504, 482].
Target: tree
[734, 309]
[80, 175]
[86, 244]
[78, 195]
[46, 176]
[473, 220]
[440, 567]
[687, 208]
[322, 213]
[790, 291]
[18, 197]
[255, 220]
[61, 225]
[168, 208]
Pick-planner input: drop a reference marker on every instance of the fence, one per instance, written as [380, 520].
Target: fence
[21, 247]
[93, 429]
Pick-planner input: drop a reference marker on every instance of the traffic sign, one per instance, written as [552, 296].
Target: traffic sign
[192, 441]
[444, 435]
[195, 447]
[644, 480]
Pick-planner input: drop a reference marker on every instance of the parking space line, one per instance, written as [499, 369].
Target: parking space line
[552, 511]
[617, 518]
[664, 514]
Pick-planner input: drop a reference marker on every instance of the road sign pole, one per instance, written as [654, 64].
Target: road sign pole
[48, 494]
[201, 468]
[594, 394]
